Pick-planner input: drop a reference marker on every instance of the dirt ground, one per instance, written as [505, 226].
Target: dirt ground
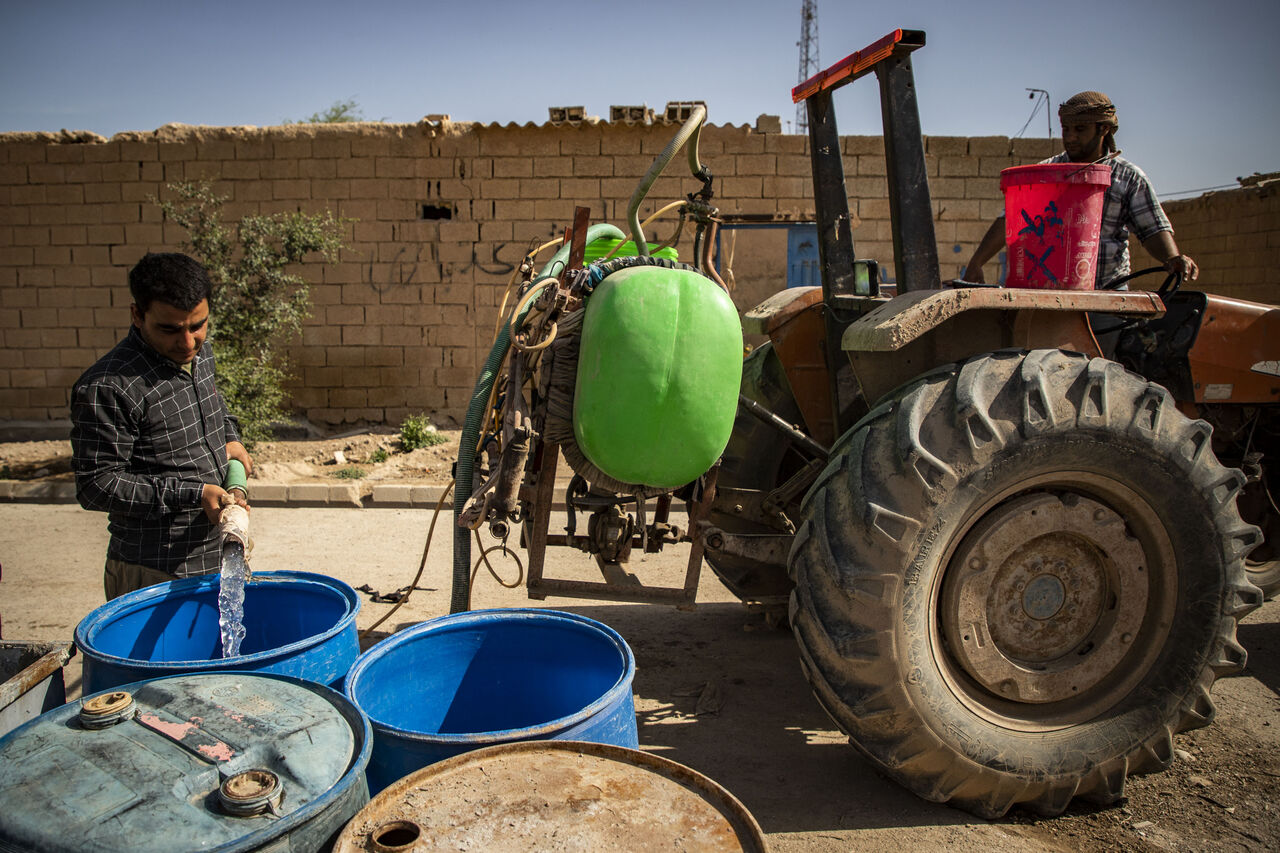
[716, 689]
[363, 457]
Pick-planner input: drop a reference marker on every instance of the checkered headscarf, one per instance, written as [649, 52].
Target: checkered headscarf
[1094, 107]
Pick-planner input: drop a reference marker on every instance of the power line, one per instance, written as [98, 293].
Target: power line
[1041, 99]
[1234, 186]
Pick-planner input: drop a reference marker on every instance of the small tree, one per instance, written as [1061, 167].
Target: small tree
[339, 111]
[256, 306]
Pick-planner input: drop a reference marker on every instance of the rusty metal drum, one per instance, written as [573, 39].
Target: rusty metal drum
[553, 795]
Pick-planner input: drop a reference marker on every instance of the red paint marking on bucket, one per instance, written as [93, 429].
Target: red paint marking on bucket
[1053, 217]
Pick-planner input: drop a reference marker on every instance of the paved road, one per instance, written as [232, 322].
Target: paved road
[770, 743]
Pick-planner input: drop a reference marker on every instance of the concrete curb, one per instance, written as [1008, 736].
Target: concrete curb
[384, 496]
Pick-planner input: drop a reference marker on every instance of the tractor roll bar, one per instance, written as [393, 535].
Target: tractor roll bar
[915, 248]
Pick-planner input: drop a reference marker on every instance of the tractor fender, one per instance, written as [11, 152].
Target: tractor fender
[921, 329]
[780, 309]
[1236, 354]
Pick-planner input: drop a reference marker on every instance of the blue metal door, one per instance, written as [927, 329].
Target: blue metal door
[802, 256]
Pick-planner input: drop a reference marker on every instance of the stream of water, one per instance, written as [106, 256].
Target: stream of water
[231, 597]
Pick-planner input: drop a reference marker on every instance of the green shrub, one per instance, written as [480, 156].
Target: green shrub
[417, 431]
[351, 472]
[256, 307]
[379, 455]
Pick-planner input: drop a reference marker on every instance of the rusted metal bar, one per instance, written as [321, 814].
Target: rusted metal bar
[858, 63]
[577, 237]
[796, 436]
[613, 592]
[548, 459]
[697, 513]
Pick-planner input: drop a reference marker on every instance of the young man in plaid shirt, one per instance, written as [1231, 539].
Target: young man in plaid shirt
[151, 435]
[1089, 125]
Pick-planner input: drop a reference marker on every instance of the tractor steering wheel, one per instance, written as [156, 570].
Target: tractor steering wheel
[1170, 286]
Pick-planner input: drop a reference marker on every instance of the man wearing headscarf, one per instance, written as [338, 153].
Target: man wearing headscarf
[1089, 125]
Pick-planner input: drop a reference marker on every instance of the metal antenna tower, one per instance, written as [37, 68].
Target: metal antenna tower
[808, 56]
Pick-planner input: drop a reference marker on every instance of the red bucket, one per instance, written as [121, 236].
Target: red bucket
[1053, 215]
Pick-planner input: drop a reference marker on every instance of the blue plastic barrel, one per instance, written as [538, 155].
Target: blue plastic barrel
[296, 623]
[227, 761]
[487, 677]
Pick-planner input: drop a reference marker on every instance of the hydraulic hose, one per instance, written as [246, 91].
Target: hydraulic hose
[689, 130]
[464, 476]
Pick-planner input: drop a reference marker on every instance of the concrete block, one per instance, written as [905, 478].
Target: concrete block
[392, 495]
[768, 124]
[585, 166]
[742, 188]
[860, 145]
[795, 165]
[958, 167]
[394, 167]
[349, 494]
[47, 492]
[428, 496]
[309, 494]
[369, 188]
[990, 146]
[268, 494]
[871, 164]
[1036, 149]
[947, 145]
[756, 164]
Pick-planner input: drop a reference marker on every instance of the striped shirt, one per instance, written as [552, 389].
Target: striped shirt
[146, 435]
[1130, 204]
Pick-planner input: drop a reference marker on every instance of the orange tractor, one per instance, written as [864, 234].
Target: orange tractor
[1012, 530]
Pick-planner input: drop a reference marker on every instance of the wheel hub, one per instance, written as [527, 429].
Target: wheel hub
[1044, 597]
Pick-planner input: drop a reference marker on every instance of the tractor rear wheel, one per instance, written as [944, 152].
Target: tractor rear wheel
[1018, 578]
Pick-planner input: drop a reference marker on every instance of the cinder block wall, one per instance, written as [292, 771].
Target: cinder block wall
[441, 215]
[1234, 236]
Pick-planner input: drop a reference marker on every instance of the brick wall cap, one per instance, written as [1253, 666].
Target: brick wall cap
[62, 137]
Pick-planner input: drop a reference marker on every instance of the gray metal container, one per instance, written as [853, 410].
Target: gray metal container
[227, 761]
[33, 680]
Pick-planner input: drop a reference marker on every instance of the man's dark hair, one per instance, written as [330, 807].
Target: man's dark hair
[170, 277]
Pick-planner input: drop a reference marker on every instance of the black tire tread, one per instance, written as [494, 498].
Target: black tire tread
[850, 554]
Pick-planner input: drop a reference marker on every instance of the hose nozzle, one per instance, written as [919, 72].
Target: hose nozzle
[233, 520]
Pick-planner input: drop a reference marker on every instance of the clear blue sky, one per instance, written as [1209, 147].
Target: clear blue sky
[1195, 82]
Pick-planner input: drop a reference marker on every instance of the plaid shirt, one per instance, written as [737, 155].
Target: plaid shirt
[1130, 204]
[146, 435]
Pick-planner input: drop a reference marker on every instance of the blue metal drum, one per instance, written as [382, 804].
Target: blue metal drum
[296, 623]
[226, 761]
[487, 677]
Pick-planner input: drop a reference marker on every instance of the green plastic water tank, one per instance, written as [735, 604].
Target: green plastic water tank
[658, 375]
[598, 248]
